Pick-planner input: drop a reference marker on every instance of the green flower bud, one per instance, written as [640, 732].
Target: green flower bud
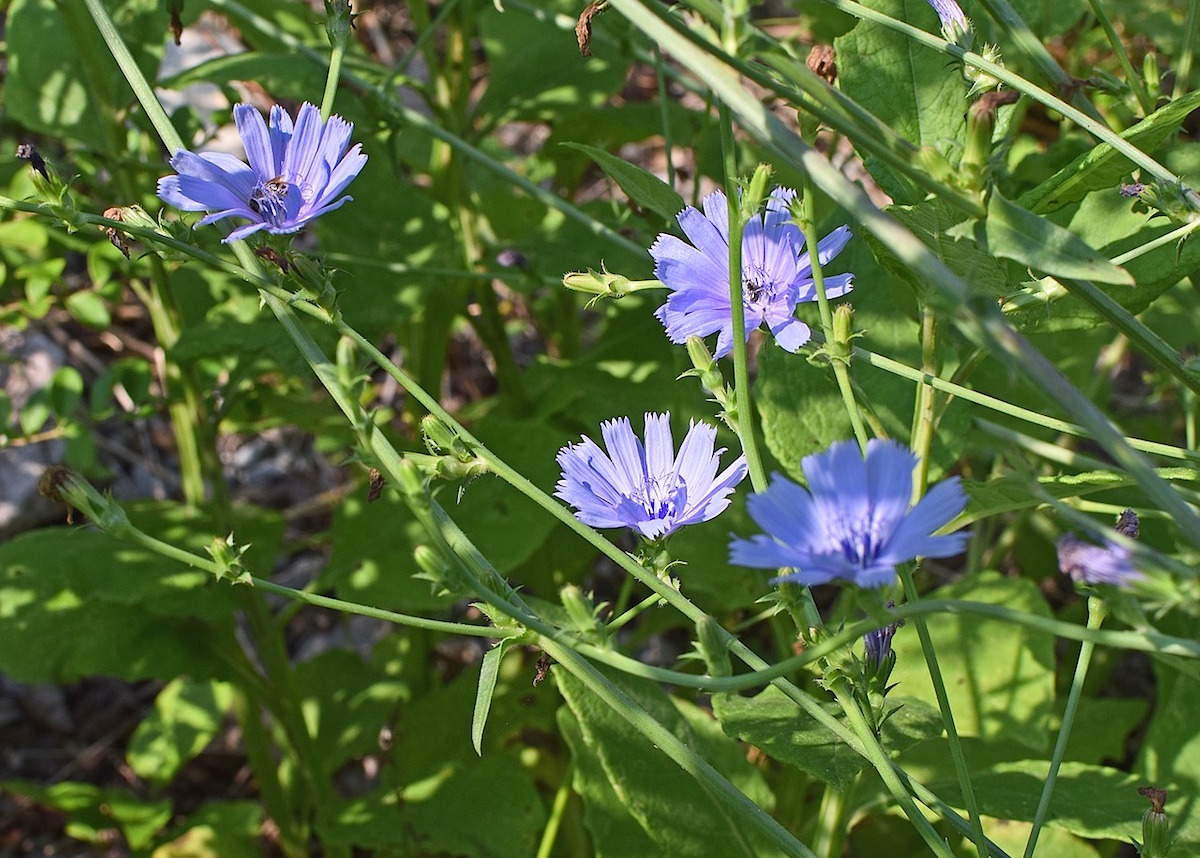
[1156, 828]
[599, 283]
[228, 558]
[65, 486]
[580, 608]
[339, 21]
[756, 192]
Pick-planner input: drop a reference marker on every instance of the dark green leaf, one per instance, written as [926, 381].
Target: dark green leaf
[187, 715]
[642, 186]
[1013, 232]
[488, 674]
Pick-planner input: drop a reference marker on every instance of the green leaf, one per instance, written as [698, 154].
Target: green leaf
[92, 812]
[66, 390]
[642, 186]
[674, 812]
[1013, 232]
[918, 92]
[89, 308]
[57, 62]
[1000, 679]
[217, 829]
[488, 674]
[187, 715]
[1102, 167]
[785, 732]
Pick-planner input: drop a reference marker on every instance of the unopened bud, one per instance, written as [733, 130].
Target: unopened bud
[756, 192]
[339, 21]
[579, 607]
[600, 283]
[228, 558]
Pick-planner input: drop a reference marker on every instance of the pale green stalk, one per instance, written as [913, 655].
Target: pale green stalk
[883, 765]
[1191, 33]
[1096, 612]
[961, 771]
[1131, 76]
[841, 372]
[331, 81]
[921, 440]
[557, 809]
[741, 373]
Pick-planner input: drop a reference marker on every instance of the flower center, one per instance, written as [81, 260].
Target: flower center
[268, 198]
[759, 288]
[657, 497]
[857, 540]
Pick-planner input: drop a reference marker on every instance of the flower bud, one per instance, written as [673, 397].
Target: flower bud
[756, 192]
[579, 607]
[600, 283]
[228, 558]
[339, 21]
[63, 485]
[1156, 828]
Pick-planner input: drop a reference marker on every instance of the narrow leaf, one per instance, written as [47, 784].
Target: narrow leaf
[1015, 233]
[488, 675]
[644, 188]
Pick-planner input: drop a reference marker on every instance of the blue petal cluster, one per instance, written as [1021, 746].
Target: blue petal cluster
[776, 273]
[853, 523]
[1095, 564]
[296, 172]
[649, 489]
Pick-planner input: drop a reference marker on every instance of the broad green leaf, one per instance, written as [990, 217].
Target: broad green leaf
[1103, 167]
[58, 64]
[615, 833]
[217, 829]
[66, 389]
[671, 807]
[92, 812]
[488, 673]
[1013, 232]
[89, 308]
[916, 91]
[78, 602]
[1000, 678]
[642, 186]
[780, 728]
[187, 715]
[522, 49]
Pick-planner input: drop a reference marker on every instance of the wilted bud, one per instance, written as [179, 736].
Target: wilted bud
[713, 647]
[1169, 199]
[63, 485]
[1128, 524]
[822, 61]
[1156, 828]
[175, 9]
[27, 152]
[981, 123]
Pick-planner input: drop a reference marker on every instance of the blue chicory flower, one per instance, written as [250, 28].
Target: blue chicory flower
[776, 273]
[955, 26]
[296, 173]
[877, 644]
[853, 523]
[649, 489]
[1095, 564]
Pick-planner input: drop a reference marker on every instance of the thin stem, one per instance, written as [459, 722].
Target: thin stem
[331, 80]
[943, 699]
[924, 412]
[646, 603]
[133, 75]
[1096, 613]
[1131, 76]
[741, 373]
[557, 809]
[1183, 69]
[883, 765]
[841, 371]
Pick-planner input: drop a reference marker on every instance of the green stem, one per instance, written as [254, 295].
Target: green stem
[646, 603]
[943, 699]
[557, 809]
[257, 745]
[883, 765]
[833, 819]
[1131, 76]
[841, 371]
[331, 80]
[1096, 614]
[924, 412]
[660, 74]
[741, 373]
[1186, 56]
